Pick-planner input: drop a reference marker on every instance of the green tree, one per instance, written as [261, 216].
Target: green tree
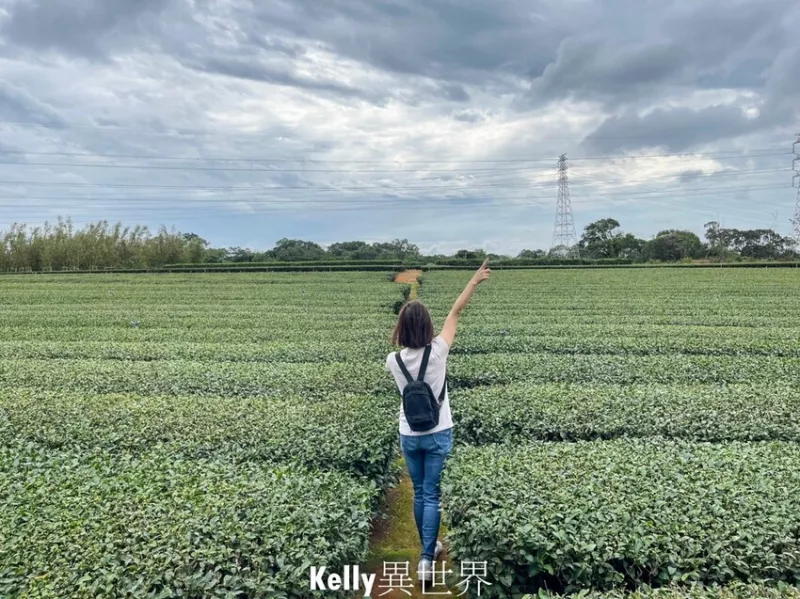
[531, 254]
[599, 239]
[629, 247]
[238, 254]
[352, 250]
[673, 245]
[295, 250]
[470, 254]
[400, 249]
[194, 248]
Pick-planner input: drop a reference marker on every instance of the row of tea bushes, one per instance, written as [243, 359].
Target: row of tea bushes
[318, 350]
[605, 514]
[567, 412]
[327, 434]
[493, 369]
[184, 377]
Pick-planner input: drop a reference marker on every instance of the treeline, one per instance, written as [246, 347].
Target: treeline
[62, 247]
[99, 245]
[605, 239]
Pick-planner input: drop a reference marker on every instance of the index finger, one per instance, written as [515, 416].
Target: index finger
[485, 262]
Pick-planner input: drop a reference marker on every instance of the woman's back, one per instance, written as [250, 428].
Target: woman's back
[435, 375]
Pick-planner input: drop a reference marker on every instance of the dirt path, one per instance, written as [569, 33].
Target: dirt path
[410, 277]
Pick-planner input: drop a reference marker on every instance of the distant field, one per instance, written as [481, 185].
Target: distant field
[214, 435]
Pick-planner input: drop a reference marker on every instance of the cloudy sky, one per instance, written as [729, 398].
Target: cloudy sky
[439, 121]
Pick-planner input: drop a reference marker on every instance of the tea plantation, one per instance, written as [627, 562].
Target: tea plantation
[627, 431]
[214, 435]
[190, 436]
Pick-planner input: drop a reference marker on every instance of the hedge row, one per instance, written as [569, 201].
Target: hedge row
[495, 331]
[473, 262]
[230, 319]
[316, 350]
[96, 524]
[315, 380]
[709, 344]
[568, 516]
[181, 377]
[328, 262]
[323, 434]
[146, 333]
[492, 369]
[569, 412]
[198, 268]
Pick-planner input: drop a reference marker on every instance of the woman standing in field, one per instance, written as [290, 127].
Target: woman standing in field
[426, 425]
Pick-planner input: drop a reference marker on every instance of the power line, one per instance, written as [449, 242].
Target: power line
[138, 128]
[161, 167]
[154, 202]
[462, 184]
[754, 153]
[403, 205]
[447, 203]
[240, 191]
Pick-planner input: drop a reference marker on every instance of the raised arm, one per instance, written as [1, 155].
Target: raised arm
[449, 329]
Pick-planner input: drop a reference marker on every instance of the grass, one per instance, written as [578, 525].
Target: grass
[395, 538]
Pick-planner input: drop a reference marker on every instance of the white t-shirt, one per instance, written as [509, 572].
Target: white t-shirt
[434, 376]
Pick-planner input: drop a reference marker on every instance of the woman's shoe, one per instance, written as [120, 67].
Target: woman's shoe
[438, 550]
[425, 570]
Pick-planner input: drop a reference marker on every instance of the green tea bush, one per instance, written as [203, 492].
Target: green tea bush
[569, 412]
[326, 434]
[492, 369]
[317, 350]
[627, 342]
[570, 516]
[183, 377]
[95, 524]
[191, 435]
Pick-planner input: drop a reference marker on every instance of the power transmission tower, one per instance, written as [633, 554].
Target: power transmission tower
[565, 242]
[796, 177]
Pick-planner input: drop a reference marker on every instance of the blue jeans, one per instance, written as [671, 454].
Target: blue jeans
[425, 456]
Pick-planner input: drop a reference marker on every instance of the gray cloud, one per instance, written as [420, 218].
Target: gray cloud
[711, 44]
[18, 104]
[76, 26]
[469, 116]
[466, 42]
[249, 69]
[593, 69]
[689, 175]
[676, 130]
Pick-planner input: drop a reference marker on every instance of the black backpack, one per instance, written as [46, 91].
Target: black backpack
[420, 405]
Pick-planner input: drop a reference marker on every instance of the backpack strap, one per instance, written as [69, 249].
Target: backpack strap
[424, 366]
[403, 368]
[444, 388]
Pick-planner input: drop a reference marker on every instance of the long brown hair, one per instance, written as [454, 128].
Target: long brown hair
[414, 326]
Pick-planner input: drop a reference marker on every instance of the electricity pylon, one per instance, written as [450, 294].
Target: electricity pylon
[565, 242]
